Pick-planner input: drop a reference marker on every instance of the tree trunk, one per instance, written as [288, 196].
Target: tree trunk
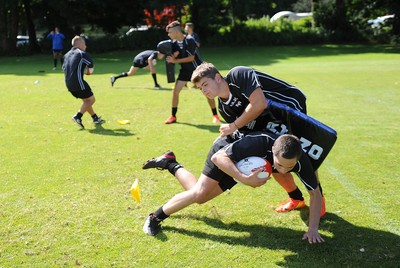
[33, 44]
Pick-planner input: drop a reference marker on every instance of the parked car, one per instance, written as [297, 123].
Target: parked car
[290, 15]
[380, 21]
[23, 40]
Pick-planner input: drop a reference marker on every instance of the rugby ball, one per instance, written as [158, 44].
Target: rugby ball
[251, 164]
[89, 71]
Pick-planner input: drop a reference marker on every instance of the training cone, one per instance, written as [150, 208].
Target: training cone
[124, 122]
[135, 191]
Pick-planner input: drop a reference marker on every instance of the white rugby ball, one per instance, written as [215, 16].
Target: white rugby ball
[251, 164]
[89, 71]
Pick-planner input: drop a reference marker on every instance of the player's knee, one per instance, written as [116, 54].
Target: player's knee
[199, 197]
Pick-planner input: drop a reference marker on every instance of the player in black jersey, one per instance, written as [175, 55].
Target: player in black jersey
[284, 152]
[76, 61]
[188, 57]
[242, 95]
[144, 60]
[189, 29]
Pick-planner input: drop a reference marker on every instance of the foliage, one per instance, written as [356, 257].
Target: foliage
[262, 32]
[64, 194]
[339, 21]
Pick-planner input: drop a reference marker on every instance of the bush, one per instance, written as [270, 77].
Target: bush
[262, 32]
[134, 41]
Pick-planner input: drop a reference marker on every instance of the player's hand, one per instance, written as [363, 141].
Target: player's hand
[313, 237]
[226, 129]
[254, 181]
[170, 59]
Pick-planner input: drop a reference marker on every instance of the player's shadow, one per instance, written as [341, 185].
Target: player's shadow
[141, 88]
[100, 130]
[347, 246]
[210, 128]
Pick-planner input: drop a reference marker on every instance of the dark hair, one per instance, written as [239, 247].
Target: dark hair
[204, 70]
[287, 146]
[173, 25]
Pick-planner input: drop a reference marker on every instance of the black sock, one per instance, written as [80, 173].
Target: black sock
[124, 74]
[155, 79]
[296, 194]
[173, 167]
[174, 111]
[95, 116]
[78, 115]
[160, 214]
[55, 63]
[214, 111]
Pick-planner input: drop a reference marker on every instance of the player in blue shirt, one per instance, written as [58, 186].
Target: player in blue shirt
[57, 45]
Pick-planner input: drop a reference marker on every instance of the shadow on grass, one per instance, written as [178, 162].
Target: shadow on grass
[141, 88]
[349, 246]
[100, 130]
[210, 128]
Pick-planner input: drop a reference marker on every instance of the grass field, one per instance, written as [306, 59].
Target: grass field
[64, 195]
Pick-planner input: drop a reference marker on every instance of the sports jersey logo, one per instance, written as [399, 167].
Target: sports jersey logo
[235, 102]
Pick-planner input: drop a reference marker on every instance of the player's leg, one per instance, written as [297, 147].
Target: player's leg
[54, 60]
[168, 161]
[296, 199]
[211, 102]
[204, 190]
[179, 84]
[131, 72]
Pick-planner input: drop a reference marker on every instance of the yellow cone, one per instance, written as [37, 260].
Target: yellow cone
[124, 122]
[135, 190]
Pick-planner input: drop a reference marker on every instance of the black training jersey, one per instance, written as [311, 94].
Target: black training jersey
[260, 144]
[187, 48]
[74, 64]
[140, 59]
[243, 81]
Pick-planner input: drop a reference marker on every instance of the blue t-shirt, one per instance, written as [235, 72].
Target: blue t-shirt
[57, 39]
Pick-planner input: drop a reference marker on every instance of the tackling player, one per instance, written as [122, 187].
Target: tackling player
[242, 95]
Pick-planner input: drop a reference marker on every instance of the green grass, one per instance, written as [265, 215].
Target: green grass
[64, 195]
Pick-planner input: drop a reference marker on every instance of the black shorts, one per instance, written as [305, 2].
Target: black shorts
[79, 93]
[225, 181]
[184, 75]
[140, 64]
[82, 94]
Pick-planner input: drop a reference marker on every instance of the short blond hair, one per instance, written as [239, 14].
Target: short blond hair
[77, 40]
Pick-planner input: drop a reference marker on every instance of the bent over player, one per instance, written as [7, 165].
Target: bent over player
[219, 174]
[75, 62]
[144, 60]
